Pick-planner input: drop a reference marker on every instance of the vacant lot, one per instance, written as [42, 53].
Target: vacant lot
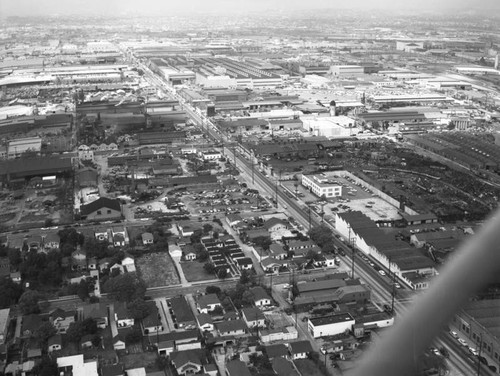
[307, 367]
[144, 359]
[157, 269]
[194, 271]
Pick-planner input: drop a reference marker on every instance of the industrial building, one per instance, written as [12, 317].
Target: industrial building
[322, 186]
[330, 325]
[20, 146]
[330, 126]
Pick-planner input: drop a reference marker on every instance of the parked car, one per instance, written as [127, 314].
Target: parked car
[454, 334]
[462, 342]
[381, 272]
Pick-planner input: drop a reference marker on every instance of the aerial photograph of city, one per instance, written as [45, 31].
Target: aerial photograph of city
[249, 187]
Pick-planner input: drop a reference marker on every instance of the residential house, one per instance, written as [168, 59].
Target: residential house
[101, 234]
[128, 264]
[277, 251]
[86, 341]
[54, 343]
[62, 319]
[51, 241]
[35, 243]
[152, 323]
[117, 267]
[210, 369]
[103, 208]
[187, 362]
[208, 303]
[104, 264]
[231, 328]
[300, 349]
[119, 235]
[183, 313]
[301, 247]
[205, 322]
[165, 347]
[237, 368]
[122, 316]
[189, 253]
[233, 219]
[119, 342]
[260, 296]
[147, 238]
[98, 312]
[244, 263]
[253, 317]
[92, 263]
[15, 277]
[271, 265]
[275, 224]
[34, 350]
[276, 351]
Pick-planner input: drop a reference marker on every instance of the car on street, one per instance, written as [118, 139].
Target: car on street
[462, 342]
[397, 285]
[454, 334]
[473, 351]
[381, 272]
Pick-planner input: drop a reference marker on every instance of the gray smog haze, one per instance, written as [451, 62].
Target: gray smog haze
[159, 7]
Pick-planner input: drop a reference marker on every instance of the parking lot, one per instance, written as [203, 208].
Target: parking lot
[229, 199]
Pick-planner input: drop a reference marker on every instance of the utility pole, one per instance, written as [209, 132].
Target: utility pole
[253, 168]
[479, 354]
[353, 253]
[309, 218]
[393, 290]
[277, 182]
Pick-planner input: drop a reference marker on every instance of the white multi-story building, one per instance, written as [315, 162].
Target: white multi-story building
[321, 185]
[330, 325]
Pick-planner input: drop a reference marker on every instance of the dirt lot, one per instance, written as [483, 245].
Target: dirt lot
[145, 359]
[193, 271]
[157, 269]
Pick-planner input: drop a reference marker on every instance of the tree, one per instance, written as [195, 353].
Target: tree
[203, 256]
[134, 336]
[15, 258]
[321, 235]
[196, 236]
[212, 290]
[222, 273]
[28, 302]
[209, 268]
[78, 329]
[46, 367]
[207, 227]
[85, 287]
[138, 309]
[10, 292]
[263, 241]
[70, 236]
[96, 340]
[44, 332]
[125, 287]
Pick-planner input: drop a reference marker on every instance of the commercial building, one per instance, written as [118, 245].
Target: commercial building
[322, 186]
[76, 366]
[479, 324]
[330, 325]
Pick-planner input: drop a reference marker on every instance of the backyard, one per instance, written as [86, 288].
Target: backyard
[157, 269]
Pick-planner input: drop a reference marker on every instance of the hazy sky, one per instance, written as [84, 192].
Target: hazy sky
[117, 7]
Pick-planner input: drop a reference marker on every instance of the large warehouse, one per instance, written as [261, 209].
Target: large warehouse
[16, 169]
